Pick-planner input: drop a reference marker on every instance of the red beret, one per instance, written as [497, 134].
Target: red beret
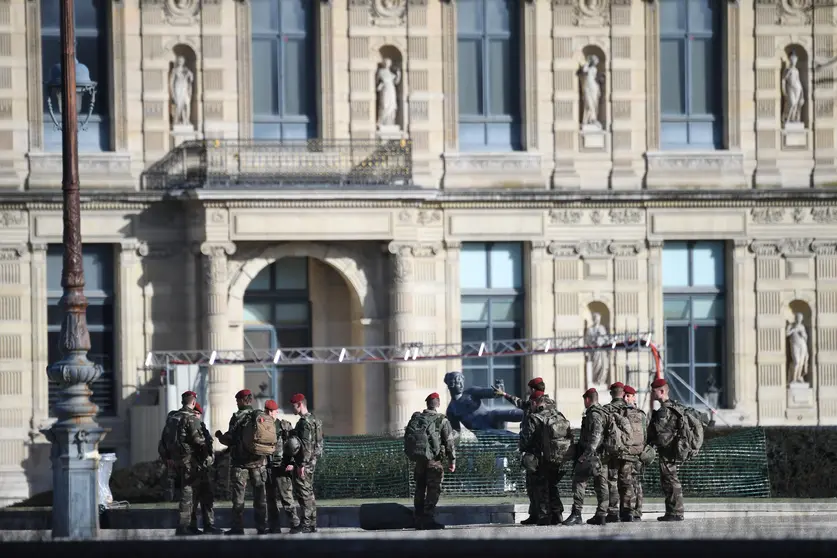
[615, 385]
[198, 408]
[189, 394]
[433, 395]
[535, 395]
[243, 393]
[271, 405]
[629, 390]
[297, 398]
[658, 383]
[535, 381]
[590, 392]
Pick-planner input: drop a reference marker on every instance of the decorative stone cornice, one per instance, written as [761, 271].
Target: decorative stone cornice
[415, 249]
[623, 249]
[565, 216]
[791, 247]
[824, 214]
[595, 248]
[629, 216]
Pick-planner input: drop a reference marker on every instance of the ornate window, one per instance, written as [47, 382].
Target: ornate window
[691, 74]
[284, 69]
[277, 313]
[93, 49]
[490, 74]
[695, 315]
[99, 271]
[491, 281]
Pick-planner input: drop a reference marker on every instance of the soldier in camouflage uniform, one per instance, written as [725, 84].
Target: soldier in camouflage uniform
[280, 488]
[588, 462]
[639, 467]
[244, 466]
[305, 465]
[535, 385]
[617, 403]
[542, 477]
[429, 474]
[662, 433]
[189, 454]
[203, 493]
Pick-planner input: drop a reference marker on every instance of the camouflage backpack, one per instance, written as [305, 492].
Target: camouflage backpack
[172, 446]
[422, 437]
[258, 433]
[689, 434]
[625, 433]
[557, 437]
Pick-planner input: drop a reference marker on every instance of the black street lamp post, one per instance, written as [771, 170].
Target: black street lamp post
[75, 435]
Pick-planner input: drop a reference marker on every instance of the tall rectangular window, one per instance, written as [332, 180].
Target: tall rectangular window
[284, 65]
[691, 74]
[695, 315]
[491, 280]
[98, 262]
[277, 314]
[93, 51]
[488, 46]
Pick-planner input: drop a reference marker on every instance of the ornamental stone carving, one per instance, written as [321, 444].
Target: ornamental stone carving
[215, 263]
[624, 249]
[9, 219]
[11, 252]
[795, 247]
[824, 214]
[492, 164]
[713, 162]
[625, 216]
[565, 216]
[794, 12]
[799, 214]
[767, 215]
[181, 12]
[824, 247]
[797, 337]
[562, 249]
[593, 248]
[388, 12]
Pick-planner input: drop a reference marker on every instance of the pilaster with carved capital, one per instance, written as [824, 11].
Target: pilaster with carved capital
[129, 309]
[453, 300]
[40, 342]
[742, 394]
[540, 304]
[216, 326]
[655, 288]
[402, 380]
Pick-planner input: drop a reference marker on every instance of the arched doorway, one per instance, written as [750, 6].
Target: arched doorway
[277, 313]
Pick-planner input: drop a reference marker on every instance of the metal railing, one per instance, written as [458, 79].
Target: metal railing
[269, 164]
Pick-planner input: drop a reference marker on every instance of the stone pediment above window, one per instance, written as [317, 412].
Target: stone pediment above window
[96, 170]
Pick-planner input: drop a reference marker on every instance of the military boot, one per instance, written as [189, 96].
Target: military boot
[275, 529]
[574, 519]
[235, 531]
[531, 520]
[212, 530]
[432, 525]
[556, 518]
[597, 520]
[626, 517]
[612, 518]
[183, 532]
[668, 517]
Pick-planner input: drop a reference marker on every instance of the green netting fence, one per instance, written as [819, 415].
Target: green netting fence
[352, 467]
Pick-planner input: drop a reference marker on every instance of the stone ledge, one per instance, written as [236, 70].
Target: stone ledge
[96, 170]
[695, 169]
[514, 170]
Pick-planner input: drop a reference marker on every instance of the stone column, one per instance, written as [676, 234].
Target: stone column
[742, 394]
[216, 325]
[40, 347]
[129, 306]
[402, 381]
[540, 306]
[655, 290]
[453, 296]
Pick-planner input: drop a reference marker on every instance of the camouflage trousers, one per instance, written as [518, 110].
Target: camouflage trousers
[613, 487]
[280, 490]
[428, 476]
[545, 498]
[626, 485]
[204, 498]
[170, 482]
[303, 489]
[580, 479]
[188, 479]
[639, 471]
[672, 489]
[238, 480]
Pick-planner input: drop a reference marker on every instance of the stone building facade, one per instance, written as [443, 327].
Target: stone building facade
[648, 162]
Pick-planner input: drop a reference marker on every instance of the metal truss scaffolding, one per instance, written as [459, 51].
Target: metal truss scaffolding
[409, 352]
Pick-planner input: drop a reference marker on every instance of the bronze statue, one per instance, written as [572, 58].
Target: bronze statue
[466, 408]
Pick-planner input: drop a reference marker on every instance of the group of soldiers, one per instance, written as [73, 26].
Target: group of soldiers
[281, 473]
[615, 445]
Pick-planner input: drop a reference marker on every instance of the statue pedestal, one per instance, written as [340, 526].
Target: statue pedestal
[390, 133]
[801, 402]
[795, 136]
[181, 133]
[592, 137]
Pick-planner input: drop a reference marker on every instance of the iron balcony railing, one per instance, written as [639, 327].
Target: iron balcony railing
[267, 164]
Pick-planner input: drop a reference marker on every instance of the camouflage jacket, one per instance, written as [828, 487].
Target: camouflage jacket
[193, 443]
[531, 436]
[283, 432]
[446, 435]
[305, 431]
[233, 439]
[663, 428]
[592, 430]
[526, 404]
[616, 405]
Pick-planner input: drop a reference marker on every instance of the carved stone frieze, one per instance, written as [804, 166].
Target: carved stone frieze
[794, 12]
[596, 248]
[181, 12]
[587, 13]
[415, 249]
[593, 248]
[716, 161]
[10, 219]
[13, 252]
[799, 214]
[562, 249]
[824, 247]
[765, 248]
[625, 216]
[388, 13]
[565, 216]
[795, 247]
[767, 215]
[624, 249]
[429, 217]
[596, 217]
[492, 163]
[824, 214]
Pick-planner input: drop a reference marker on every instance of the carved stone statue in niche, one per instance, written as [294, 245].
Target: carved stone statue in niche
[591, 91]
[793, 92]
[596, 336]
[798, 345]
[388, 79]
[181, 84]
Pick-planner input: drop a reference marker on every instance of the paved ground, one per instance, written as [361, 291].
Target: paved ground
[817, 528]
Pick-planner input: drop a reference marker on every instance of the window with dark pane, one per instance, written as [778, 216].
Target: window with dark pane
[491, 283]
[277, 314]
[99, 271]
[695, 313]
[284, 66]
[488, 62]
[92, 50]
[691, 73]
